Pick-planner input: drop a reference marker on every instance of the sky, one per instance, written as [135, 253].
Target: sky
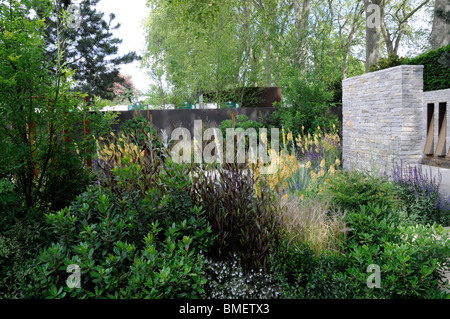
[130, 15]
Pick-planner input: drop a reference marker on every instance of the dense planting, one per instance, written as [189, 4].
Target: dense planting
[86, 213]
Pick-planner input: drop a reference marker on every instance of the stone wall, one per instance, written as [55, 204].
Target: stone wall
[383, 119]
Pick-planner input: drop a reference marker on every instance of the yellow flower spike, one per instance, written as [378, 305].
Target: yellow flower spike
[322, 163]
[338, 162]
[321, 173]
[289, 136]
[331, 170]
[308, 165]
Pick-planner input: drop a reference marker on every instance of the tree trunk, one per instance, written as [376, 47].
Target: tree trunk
[440, 34]
[301, 25]
[372, 34]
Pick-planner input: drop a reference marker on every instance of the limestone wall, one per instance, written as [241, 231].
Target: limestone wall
[383, 118]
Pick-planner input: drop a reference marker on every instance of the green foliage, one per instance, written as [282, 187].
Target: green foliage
[9, 203]
[389, 62]
[371, 224]
[19, 246]
[304, 274]
[39, 118]
[419, 196]
[138, 128]
[240, 121]
[245, 225]
[91, 48]
[306, 103]
[412, 260]
[436, 75]
[133, 237]
[351, 189]
[425, 207]
[67, 178]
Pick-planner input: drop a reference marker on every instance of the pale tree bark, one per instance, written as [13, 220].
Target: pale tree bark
[373, 35]
[301, 24]
[440, 34]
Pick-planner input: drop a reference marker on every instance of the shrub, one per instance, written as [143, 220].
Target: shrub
[436, 75]
[102, 234]
[134, 235]
[239, 121]
[39, 112]
[419, 195]
[389, 62]
[19, 245]
[67, 178]
[412, 259]
[350, 189]
[9, 203]
[305, 275]
[305, 103]
[137, 129]
[245, 225]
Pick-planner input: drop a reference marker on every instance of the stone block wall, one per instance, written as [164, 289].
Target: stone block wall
[383, 119]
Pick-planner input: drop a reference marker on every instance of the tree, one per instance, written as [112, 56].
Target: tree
[125, 91]
[395, 22]
[193, 45]
[87, 48]
[38, 113]
[440, 34]
[373, 31]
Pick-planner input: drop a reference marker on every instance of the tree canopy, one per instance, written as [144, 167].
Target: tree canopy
[210, 45]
